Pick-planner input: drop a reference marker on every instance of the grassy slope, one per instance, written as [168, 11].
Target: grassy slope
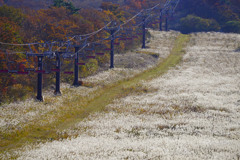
[80, 107]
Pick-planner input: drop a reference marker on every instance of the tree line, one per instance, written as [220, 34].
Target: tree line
[209, 15]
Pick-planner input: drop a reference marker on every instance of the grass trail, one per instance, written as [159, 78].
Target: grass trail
[80, 107]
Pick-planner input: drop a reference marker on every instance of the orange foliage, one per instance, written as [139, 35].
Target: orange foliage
[136, 4]
[52, 24]
[8, 30]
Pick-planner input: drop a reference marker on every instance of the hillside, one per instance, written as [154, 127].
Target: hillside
[178, 98]
[40, 4]
[191, 112]
[209, 15]
[75, 103]
[33, 4]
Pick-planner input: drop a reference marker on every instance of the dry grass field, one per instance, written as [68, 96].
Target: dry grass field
[190, 112]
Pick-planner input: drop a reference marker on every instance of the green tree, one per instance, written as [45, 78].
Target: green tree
[193, 23]
[67, 5]
[232, 27]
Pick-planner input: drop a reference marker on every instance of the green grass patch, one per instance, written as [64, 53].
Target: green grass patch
[75, 109]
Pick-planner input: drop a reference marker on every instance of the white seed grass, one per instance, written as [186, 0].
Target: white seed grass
[16, 116]
[193, 115]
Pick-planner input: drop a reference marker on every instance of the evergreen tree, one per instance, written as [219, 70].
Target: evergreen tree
[67, 5]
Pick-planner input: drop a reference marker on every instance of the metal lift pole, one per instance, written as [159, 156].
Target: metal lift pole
[76, 67]
[40, 78]
[58, 67]
[112, 48]
[166, 22]
[160, 20]
[144, 32]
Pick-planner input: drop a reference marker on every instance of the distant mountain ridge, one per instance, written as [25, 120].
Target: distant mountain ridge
[41, 4]
[33, 4]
